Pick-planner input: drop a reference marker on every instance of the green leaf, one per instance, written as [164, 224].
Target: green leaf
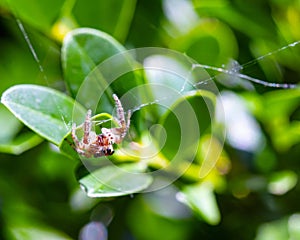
[47, 112]
[236, 19]
[113, 17]
[188, 117]
[95, 66]
[275, 230]
[12, 125]
[83, 49]
[201, 199]
[281, 103]
[21, 143]
[10, 140]
[112, 181]
[40, 14]
[36, 232]
[278, 107]
[282, 182]
[146, 224]
[207, 46]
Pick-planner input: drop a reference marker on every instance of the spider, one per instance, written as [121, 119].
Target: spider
[93, 145]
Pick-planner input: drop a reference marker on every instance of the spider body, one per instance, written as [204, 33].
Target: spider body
[93, 145]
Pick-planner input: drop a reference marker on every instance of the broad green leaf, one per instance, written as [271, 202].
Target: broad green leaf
[44, 110]
[95, 66]
[112, 181]
[83, 49]
[201, 199]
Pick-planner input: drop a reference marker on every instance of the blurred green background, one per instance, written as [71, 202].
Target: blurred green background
[258, 198]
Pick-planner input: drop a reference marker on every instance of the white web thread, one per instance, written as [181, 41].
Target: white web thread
[40, 66]
[235, 73]
[242, 76]
[232, 72]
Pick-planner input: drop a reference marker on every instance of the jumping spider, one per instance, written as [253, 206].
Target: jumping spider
[93, 145]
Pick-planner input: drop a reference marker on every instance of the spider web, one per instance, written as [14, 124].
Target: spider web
[233, 70]
[231, 76]
[39, 64]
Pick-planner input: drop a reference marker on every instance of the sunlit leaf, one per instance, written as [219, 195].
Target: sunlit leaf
[36, 232]
[201, 199]
[112, 181]
[282, 182]
[275, 230]
[281, 103]
[276, 114]
[12, 125]
[294, 226]
[44, 110]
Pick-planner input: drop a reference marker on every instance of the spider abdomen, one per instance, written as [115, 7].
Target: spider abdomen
[105, 145]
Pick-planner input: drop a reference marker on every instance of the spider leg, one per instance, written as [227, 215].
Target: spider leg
[128, 119]
[120, 112]
[87, 127]
[120, 132]
[74, 137]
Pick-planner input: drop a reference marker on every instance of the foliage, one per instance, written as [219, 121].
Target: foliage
[52, 52]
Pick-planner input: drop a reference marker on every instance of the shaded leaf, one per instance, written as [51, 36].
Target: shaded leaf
[37, 13]
[188, 117]
[206, 45]
[113, 17]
